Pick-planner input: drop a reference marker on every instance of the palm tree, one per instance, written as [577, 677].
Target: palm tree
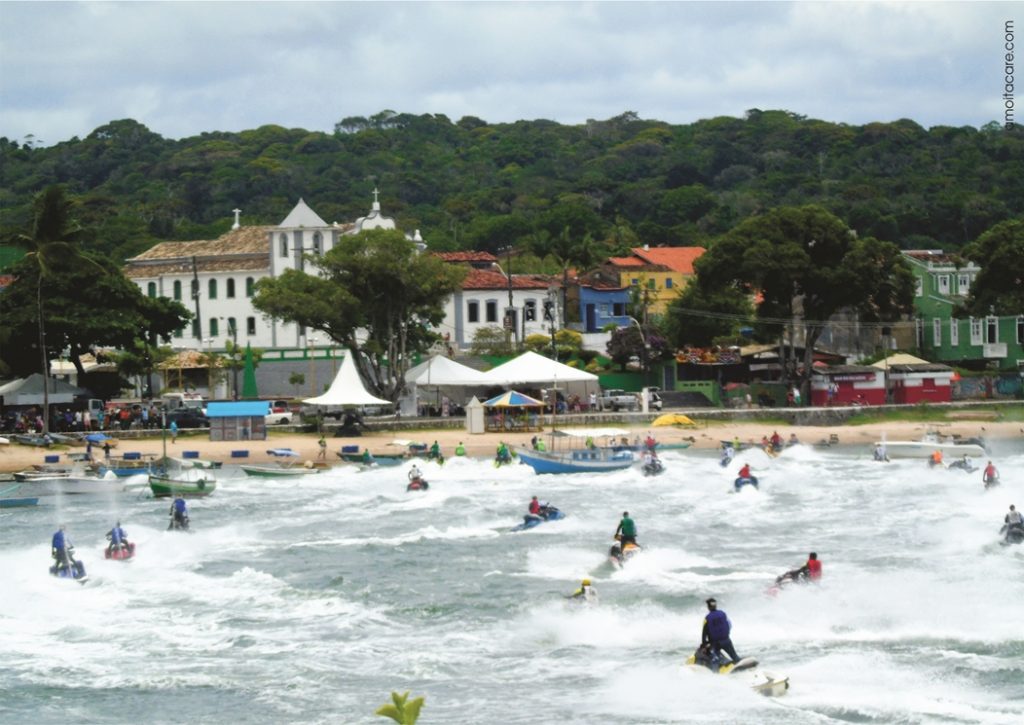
[52, 243]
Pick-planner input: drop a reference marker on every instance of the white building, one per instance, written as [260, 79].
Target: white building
[215, 279]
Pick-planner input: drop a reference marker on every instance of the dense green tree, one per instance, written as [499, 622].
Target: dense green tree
[700, 315]
[805, 261]
[377, 297]
[999, 286]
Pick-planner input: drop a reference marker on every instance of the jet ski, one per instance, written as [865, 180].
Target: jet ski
[795, 576]
[75, 571]
[178, 524]
[418, 484]
[121, 553]
[962, 465]
[653, 468]
[763, 682]
[547, 513]
[1013, 535]
[618, 556]
[739, 483]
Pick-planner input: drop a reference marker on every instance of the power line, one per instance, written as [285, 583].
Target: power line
[786, 321]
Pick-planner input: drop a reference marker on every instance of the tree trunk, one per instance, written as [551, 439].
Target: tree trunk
[42, 348]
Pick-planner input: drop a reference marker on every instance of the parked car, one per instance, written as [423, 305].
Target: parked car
[186, 418]
[653, 399]
[615, 399]
[281, 418]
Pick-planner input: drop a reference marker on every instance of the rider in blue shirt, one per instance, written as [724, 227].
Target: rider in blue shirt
[60, 548]
[118, 538]
[179, 511]
[716, 631]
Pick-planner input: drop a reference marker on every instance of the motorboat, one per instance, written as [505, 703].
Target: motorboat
[575, 451]
[67, 484]
[285, 465]
[9, 500]
[746, 670]
[931, 442]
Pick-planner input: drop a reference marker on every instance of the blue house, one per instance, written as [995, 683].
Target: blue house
[602, 300]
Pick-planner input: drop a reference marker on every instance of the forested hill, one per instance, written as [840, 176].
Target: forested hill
[473, 185]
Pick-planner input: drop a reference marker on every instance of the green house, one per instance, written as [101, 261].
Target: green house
[943, 283]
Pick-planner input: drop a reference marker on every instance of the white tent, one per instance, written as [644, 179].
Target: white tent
[29, 391]
[440, 370]
[347, 389]
[537, 369]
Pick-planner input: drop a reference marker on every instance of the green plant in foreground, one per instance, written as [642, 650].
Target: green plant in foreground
[401, 710]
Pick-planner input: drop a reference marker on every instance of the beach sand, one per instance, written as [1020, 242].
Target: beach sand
[703, 435]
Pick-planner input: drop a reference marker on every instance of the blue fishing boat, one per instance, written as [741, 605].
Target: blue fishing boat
[577, 451]
[8, 501]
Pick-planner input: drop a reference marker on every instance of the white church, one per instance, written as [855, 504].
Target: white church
[215, 280]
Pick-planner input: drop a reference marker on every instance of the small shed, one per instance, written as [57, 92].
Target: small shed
[241, 421]
[921, 383]
[847, 385]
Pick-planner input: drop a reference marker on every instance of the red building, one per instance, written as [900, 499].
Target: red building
[848, 385]
[921, 383]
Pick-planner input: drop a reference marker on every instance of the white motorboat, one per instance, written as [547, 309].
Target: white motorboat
[71, 484]
[927, 445]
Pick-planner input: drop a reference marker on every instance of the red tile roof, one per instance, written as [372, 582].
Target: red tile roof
[466, 256]
[489, 279]
[678, 259]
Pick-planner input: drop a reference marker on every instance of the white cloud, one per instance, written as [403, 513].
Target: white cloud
[185, 68]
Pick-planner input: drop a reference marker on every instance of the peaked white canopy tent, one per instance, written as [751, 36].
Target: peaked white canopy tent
[347, 388]
[532, 369]
[438, 372]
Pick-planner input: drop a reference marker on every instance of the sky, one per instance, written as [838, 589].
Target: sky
[184, 68]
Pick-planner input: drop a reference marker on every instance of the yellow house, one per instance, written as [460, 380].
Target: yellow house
[660, 272]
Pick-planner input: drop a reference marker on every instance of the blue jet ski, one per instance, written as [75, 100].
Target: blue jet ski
[547, 513]
[75, 571]
[739, 483]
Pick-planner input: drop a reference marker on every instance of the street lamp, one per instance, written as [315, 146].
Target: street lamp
[643, 350]
[312, 364]
[510, 326]
[209, 365]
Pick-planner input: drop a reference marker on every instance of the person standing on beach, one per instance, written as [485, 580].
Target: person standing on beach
[322, 455]
[173, 428]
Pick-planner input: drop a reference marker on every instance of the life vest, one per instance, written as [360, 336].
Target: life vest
[179, 505]
[535, 507]
[718, 625]
[745, 472]
[813, 569]
[116, 535]
[990, 472]
[937, 457]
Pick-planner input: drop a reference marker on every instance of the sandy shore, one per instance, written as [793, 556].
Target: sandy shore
[16, 457]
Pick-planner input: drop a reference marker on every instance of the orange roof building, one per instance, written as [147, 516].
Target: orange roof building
[661, 272]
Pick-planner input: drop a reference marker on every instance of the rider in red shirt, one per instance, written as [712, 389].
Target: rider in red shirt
[535, 506]
[813, 567]
[745, 471]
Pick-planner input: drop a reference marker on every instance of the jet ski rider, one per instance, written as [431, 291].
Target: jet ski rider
[991, 475]
[179, 512]
[117, 537]
[626, 532]
[745, 471]
[60, 548]
[717, 628]
[1013, 520]
[585, 593]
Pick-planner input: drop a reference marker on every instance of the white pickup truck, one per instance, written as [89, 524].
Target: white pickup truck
[618, 400]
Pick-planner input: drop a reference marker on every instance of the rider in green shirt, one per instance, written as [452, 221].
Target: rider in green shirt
[627, 529]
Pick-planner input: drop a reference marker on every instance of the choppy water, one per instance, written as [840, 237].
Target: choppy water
[309, 600]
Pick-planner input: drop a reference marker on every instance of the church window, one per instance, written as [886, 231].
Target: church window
[492, 311]
[151, 289]
[318, 243]
[473, 311]
[214, 328]
[284, 244]
[250, 325]
[213, 289]
[250, 286]
[177, 289]
[230, 288]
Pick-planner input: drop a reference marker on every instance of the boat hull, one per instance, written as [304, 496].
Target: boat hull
[10, 503]
[163, 487]
[924, 449]
[277, 471]
[73, 485]
[576, 461]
